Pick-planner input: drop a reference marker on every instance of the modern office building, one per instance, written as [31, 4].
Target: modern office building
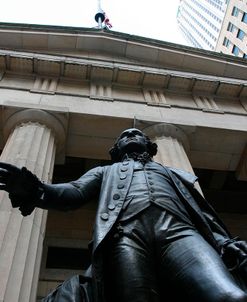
[233, 35]
[67, 93]
[200, 21]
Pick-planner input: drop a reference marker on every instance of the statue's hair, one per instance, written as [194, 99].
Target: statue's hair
[116, 155]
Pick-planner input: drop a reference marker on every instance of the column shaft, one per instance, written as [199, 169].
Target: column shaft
[31, 145]
[172, 145]
[171, 153]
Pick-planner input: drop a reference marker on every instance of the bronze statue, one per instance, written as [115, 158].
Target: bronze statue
[155, 237]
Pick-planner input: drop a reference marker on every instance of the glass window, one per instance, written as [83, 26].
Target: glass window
[244, 18]
[235, 50]
[240, 34]
[235, 11]
[226, 42]
[245, 56]
[230, 27]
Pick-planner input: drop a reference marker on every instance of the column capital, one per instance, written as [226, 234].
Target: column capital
[15, 117]
[159, 131]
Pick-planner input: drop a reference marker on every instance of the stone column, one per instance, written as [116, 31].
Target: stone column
[173, 146]
[31, 144]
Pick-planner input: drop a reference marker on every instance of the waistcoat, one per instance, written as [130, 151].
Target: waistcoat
[151, 185]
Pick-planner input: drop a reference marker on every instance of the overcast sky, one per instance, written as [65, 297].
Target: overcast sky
[151, 18]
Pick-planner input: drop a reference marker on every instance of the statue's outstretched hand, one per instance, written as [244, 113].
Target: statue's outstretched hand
[23, 186]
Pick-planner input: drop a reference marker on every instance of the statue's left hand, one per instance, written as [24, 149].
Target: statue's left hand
[238, 247]
[234, 252]
[23, 186]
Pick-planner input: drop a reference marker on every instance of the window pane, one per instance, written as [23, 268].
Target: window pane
[240, 34]
[244, 18]
[230, 27]
[235, 11]
[226, 42]
[235, 50]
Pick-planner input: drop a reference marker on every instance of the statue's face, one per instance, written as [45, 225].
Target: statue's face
[132, 140]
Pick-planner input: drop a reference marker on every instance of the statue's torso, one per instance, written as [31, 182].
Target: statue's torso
[150, 185]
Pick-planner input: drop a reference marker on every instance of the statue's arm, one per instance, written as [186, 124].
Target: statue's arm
[72, 195]
[26, 191]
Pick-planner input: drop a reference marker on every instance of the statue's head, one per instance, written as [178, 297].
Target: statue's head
[132, 141]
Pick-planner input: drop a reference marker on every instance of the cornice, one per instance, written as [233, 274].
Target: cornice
[24, 28]
[115, 45]
[119, 73]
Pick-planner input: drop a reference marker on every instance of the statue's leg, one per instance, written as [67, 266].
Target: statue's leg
[129, 272]
[196, 270]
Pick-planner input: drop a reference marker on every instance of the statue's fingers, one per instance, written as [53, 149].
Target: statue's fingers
[241, 253]
[3, 171]
[3, 183]
[3, 187]
[8, 167]
[233, 247]
[237, 250]
[5, 178]
[4, 174]
[243, 246]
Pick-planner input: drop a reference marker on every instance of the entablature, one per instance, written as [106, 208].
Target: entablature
[113, 73]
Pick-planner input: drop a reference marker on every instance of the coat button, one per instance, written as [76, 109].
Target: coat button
[116, 196]
[124, 169]
[120, 186]
[111, 206]
[104, 216]
[123, 176]
[125, 163]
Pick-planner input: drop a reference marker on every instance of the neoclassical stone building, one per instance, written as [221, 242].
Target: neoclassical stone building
[66, 94]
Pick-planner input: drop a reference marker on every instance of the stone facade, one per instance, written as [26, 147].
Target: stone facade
[68, 93]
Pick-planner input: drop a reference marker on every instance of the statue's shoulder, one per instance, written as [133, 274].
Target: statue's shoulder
[111, 167]
[185, 176]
